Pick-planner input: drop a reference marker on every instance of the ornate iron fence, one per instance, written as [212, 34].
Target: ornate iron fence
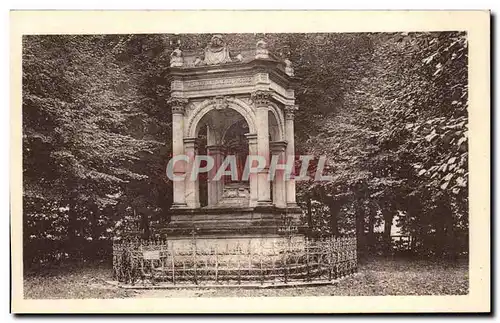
[139, 261]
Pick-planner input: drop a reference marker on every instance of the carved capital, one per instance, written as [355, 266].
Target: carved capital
[277, 147]
[290, 111]
[178, 105]
[261, 98]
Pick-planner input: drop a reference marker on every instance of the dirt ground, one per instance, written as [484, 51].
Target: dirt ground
[381, 276]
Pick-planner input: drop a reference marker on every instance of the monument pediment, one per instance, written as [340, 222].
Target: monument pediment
[218, 53]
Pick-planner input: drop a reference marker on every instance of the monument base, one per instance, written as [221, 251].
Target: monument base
[262, 231]
[231, 221]
[234, 259]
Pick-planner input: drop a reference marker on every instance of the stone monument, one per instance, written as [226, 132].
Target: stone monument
[229, 107]
[240, 105]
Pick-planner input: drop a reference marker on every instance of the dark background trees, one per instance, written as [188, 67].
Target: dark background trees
[388, 110]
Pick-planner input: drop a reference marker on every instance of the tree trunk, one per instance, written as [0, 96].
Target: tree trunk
[388, 217]
[334, 213]
[449, 236]
[309, 215]
[371, 241]
[450, 247]
[94, 234]
[360, 228]
[145, 226]
[71, 242]
[439, 237]
[414, 213]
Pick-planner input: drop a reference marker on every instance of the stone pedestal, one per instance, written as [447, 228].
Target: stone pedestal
[231, 227]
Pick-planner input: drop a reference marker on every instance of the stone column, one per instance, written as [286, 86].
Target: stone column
[214, 187]
[192, 186]
[261, 101]
[252, 151]
[290, 152]
[279, 190]
[178, 106]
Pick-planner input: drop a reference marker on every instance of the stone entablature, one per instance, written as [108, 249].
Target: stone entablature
[235, 79]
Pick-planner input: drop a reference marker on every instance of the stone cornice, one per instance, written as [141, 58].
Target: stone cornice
[230, 69]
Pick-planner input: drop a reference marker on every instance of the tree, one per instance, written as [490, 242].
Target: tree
[399, 138]
[84, 128]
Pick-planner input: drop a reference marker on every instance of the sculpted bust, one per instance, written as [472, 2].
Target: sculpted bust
[216, 52]
[288, 67]
[261, 51]
[176, 59]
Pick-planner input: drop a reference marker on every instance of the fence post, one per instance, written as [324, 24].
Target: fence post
[344, 257]
[163, 251]
[238, 250]
[273, 257]
[287, 252]
[207, 269]
[341, 257]
[336, 266]
[307, 260]
[141, 248]
[184, 266]
[353, 255]
[173, 262]
[261, 251]
[330, 257]
[194, 258]
[250, 255]
[216, 263]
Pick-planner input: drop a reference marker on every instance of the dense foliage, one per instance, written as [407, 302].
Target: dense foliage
[389, 111]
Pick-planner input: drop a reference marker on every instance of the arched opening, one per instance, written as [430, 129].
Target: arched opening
[274, 130]
[236, 144]
[222, 104]
[276, 146]
[202, 150]
[221, 133]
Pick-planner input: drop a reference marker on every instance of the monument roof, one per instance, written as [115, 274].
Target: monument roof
[218, 53]
[247, 55]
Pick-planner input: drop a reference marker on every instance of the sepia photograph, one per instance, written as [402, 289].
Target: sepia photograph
[246, 165]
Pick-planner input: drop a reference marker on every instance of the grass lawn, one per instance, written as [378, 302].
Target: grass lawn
[380, 276]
